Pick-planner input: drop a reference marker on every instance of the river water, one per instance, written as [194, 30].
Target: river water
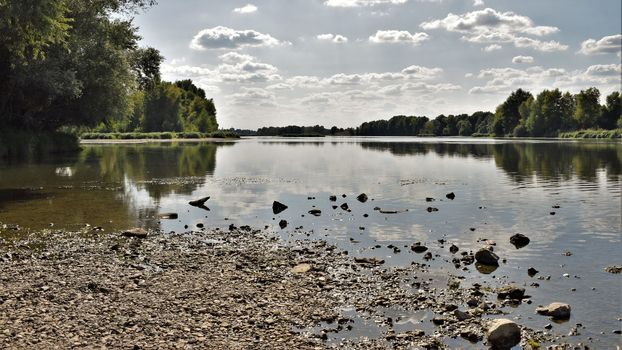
[564, 195]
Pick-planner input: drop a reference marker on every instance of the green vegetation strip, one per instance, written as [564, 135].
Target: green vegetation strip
[157, 135]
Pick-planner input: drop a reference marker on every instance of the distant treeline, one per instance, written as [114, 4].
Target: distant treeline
[549, 113]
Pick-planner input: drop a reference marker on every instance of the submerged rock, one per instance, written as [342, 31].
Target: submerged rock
[283, 224]
[557, 311]
[278, 207]
[519, 240]
[362, 198]
[168, 216]
[135, 232]
[450, 195]
[487, 257]
[503, 334]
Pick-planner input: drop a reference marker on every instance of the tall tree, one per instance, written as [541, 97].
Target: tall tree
[587, 111]
[611, 115]
[507, 115]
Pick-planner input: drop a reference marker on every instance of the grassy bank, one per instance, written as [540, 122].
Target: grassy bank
[592, 134]
[25, 145]
[157, 135]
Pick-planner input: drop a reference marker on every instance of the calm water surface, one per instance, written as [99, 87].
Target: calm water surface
[502, 187]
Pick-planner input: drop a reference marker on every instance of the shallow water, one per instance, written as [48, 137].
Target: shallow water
[502, 187]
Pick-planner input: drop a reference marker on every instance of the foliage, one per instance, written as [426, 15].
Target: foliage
[587, 111]
[156, 135]
[593, 134]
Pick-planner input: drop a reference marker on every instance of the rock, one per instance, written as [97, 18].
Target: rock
[427, 256]
[519, 240]
[362, 198]
[429, 199]
[418, 248]
[613, 269]
[486, 257]
[503, 334]
[278, 207]
[333, 198]
[461, 315]
[283, 224]
[453, 249]
[344, 206]
[168, 216]
[135, 232]
[315, 212]
[450, 195]
[199, 202]
[557, 311]
[511, 292]
[200, 225]
[369, 261]
[301, 268]
[532, 272]
[431, 209]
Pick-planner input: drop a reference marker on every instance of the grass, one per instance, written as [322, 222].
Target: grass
[157, 135]
[592, 134]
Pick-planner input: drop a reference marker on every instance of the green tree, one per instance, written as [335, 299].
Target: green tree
[611, 112]
[507, 115]
[587, 111]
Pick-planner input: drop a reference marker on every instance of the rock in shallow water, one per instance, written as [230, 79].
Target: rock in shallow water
[362, 198]
[135, 232]
[486, 257]
[503, 334]
[557, 311]
[511, 292]
[278, 207]
[519, 240]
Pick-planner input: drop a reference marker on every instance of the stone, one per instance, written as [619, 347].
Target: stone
[503, 334]
[461, 315]
[511, 292]
[278, 207]
[344, 206]
[301, 268]
[199, 202]
[315, 212]
[362, 198]
[429, 199]
[135, 232]
[431, 209]
[557, 311]
[613, 269]
[333, 198]
[283, 224]
[453, 249]
[450, 195]
[171, 216]
[486, 257]
[418, 248]
[532, 272]
[369, 261]
[519, 240]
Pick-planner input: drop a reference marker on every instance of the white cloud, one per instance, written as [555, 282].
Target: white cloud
[398, 36]
[489, 26]
[253, 97]
[522, 59]
[478, 3]
[360, 3]
[335, 38]
[608, 44]
[504, 80]
[226, 38]
[234, 57]
[248, 8]
[492, 47]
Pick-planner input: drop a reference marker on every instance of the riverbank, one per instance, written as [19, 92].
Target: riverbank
[240, 288]
[158, 135]
[592, 134]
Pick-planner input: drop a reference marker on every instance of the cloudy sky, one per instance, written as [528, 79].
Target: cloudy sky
[343, 62]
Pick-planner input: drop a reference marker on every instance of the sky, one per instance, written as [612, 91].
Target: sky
[344, 62]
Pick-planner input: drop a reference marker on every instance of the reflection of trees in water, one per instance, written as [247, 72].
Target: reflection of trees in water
[160, 169]
[521, 160]
[476, 150]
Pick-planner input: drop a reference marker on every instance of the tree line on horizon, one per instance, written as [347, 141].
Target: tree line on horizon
[77, 65]
[547, 114]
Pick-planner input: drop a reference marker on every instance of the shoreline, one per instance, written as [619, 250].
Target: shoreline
[241, 288]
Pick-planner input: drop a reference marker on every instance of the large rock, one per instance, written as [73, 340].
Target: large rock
[135, 232]
[199, 202]
[503, 334]
[558, 311]
[519, 240]
[278, 207]
[362, 198]
[511, 292]
[486, 257]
